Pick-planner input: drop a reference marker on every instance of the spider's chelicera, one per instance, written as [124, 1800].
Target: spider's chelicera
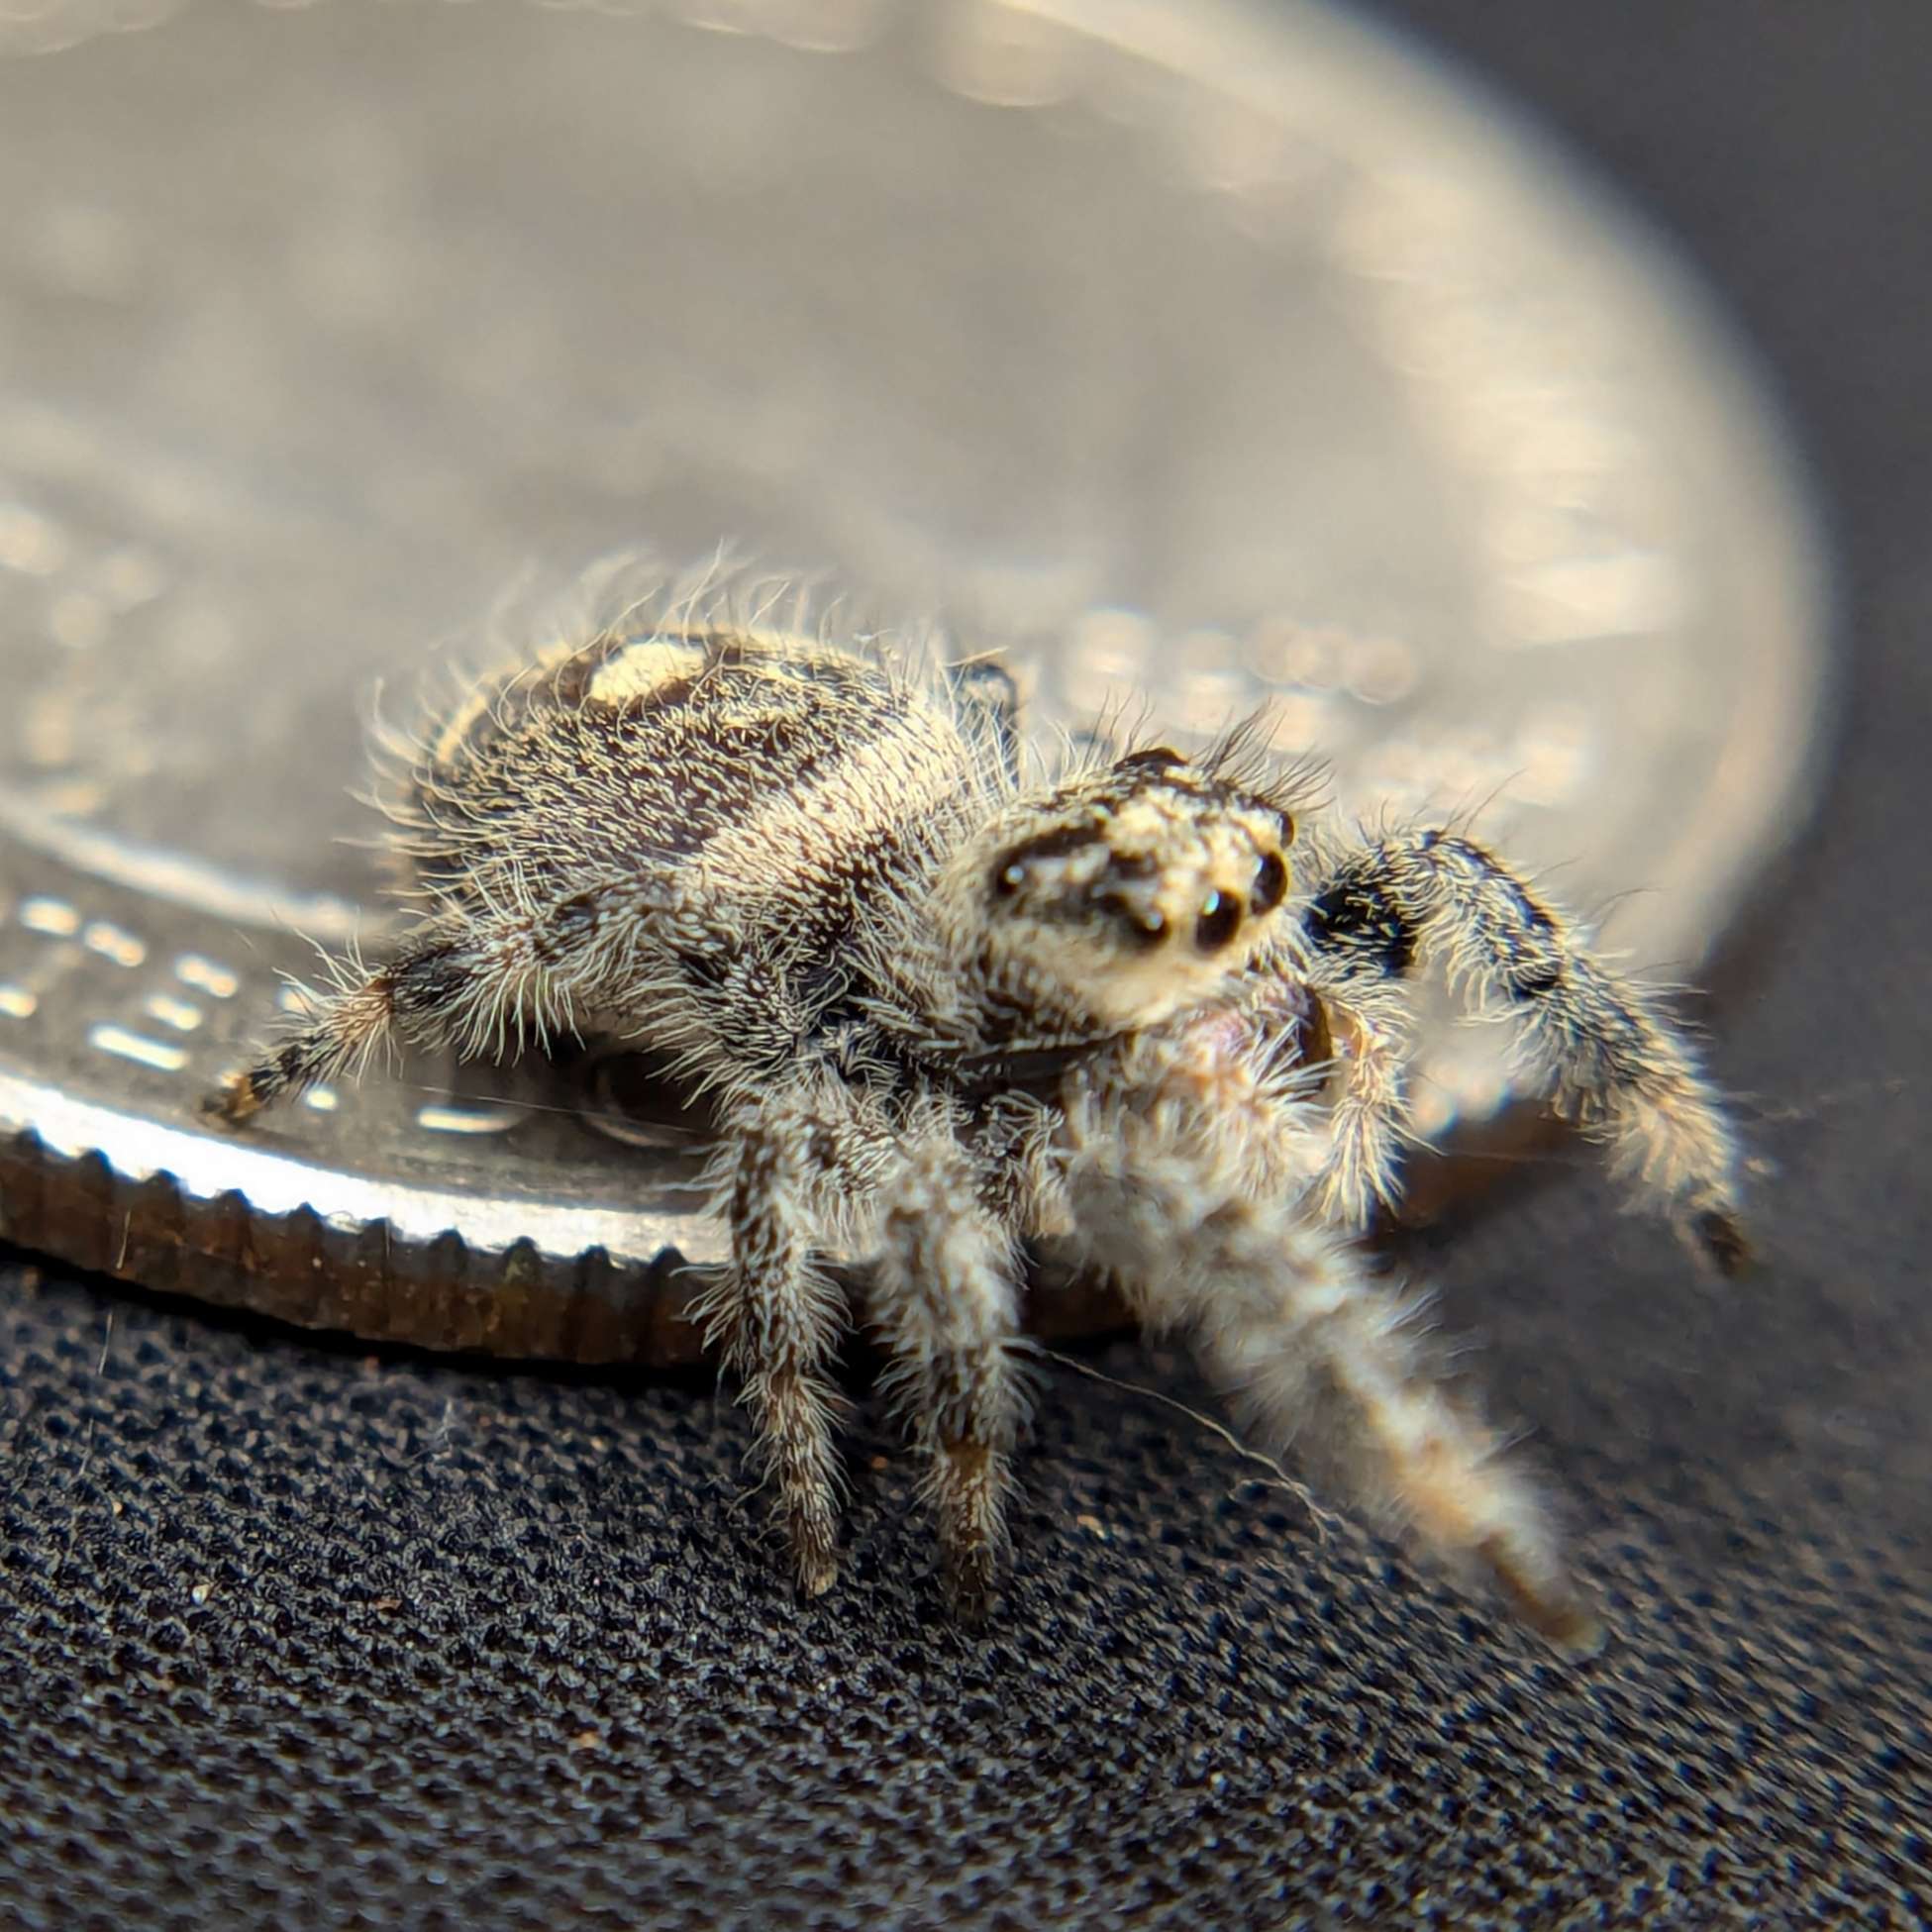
[945, 1004]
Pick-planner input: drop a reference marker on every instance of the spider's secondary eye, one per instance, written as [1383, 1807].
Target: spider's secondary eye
[1156, 758]
[1007, 880]
[1220, 915]
[1271, 882]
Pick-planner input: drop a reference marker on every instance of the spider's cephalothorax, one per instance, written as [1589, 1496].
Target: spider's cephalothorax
[945, 1004]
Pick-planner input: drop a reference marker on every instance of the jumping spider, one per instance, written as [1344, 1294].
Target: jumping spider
[945, 1002]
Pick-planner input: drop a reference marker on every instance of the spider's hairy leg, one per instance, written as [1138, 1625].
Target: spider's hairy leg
[347, 1025]
[1603, 1047]
[792, 1160]
[484, 978]
[1162, 1180]
[947, 1308]
[991, 698]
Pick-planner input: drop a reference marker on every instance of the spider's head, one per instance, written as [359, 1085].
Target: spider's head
[1135, 892]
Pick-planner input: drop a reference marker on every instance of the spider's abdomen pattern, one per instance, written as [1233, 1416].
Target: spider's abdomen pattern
[790, 780]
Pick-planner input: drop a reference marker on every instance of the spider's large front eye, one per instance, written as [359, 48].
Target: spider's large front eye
[1271, 882]
[1220, 916]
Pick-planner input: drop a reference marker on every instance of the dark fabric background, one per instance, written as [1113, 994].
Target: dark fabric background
[296, 1634]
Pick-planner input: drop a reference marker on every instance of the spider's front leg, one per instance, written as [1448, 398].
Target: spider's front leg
[794, 1164]
[947, 1304]
[1603, 1047]
[1173, 1155]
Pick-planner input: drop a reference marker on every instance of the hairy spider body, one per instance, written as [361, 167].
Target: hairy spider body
[947, 1003]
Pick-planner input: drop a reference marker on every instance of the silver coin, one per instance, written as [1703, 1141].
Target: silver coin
[1195, 355]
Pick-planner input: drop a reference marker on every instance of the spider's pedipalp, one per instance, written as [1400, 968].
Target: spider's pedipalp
[1600, 1046]
[1367, 1110]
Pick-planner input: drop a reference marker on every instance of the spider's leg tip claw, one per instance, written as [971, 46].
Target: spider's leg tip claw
[1719, 1237]
[971, 1591]
[1555, 1607]
[236, 1099]
[1573, 1630]
[816, 1577]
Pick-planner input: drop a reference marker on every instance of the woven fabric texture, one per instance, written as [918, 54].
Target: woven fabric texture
[292, 1634]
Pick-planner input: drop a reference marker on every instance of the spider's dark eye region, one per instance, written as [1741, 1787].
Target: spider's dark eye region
[1271, 882]
[1220, 916]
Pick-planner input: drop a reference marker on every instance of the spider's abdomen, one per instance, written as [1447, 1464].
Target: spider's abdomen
[792, 780]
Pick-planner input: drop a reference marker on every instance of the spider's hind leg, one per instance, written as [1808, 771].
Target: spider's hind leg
[1601, 1046]
[344, 1027]
[486, 979]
